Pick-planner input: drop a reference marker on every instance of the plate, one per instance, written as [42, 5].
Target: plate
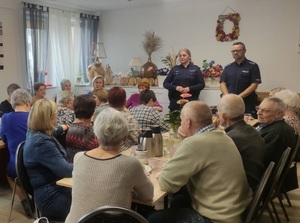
[147, 168]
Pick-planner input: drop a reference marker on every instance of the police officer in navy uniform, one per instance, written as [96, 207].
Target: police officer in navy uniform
[184, 78]
[242, 77]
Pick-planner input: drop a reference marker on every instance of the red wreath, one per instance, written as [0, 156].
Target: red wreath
[221, 35]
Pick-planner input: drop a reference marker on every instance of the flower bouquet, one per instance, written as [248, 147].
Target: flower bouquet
[211, 73]
[173, 118]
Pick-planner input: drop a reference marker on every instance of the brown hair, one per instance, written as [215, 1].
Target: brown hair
[144, 84]
[116, 97]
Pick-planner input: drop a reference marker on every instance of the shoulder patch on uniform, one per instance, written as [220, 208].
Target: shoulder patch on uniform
[228, 64]
[251, 62]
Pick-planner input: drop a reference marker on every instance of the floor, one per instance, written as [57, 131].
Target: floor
[18, 215]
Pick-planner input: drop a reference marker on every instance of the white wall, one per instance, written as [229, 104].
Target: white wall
[12, 45]
[269, 28]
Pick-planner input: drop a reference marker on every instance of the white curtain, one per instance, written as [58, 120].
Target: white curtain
[64, 46]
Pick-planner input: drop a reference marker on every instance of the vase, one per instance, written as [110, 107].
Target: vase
[147, 70]
[212, 82]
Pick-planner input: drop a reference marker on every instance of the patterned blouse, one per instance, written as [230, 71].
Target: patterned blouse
[80, 137]
[65, 116]
[293, 121]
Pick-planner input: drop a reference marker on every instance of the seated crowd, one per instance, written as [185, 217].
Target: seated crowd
[83, 136]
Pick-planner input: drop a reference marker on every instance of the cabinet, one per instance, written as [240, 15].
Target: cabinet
[211, 96]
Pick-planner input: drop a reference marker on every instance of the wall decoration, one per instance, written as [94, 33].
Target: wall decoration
[234, 17]
[1, 48]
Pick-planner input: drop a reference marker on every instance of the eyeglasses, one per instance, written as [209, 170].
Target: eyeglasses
[262, 110]
[236, 51]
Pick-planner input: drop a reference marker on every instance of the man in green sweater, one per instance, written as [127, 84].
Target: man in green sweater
[208, 163]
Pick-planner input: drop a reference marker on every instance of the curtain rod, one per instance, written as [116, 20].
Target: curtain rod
[52, 7]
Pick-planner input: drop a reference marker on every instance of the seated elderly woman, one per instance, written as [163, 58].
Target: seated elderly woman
[80, 136]
[65, 102]
[13, 135]
[292, 102]
[103, 176]
[146, 114]
[100, 96]
[134, 99]
[46, 162]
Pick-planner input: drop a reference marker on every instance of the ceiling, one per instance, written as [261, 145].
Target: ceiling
[104, 5]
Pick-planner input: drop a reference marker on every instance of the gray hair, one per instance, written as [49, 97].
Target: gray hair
[62, 83]
[12, 87]
[64, 97]
[110, 127]
[281, 106]
[290, 98]
[20, 97]
[233, 106]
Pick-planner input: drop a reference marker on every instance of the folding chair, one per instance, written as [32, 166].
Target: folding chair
[112, 214]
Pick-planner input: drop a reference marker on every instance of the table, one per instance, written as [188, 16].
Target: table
[158, 193]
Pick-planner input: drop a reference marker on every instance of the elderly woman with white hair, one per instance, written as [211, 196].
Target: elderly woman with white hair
[103, 176]
[292, 101]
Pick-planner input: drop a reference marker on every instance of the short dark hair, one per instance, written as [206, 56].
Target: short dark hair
[239, 43]
[37, 85]
[146, 96]
[116, 97]
[84, 106]
[12, 87]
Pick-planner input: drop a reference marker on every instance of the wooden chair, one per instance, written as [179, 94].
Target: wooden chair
[23, 180]
[259, 202]
[112, 214]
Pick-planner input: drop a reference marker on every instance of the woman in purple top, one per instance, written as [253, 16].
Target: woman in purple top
[134, 99]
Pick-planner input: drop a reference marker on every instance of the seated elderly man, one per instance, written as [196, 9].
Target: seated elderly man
[278, 135]
[251, 146]
[209, 164]
[146, 114]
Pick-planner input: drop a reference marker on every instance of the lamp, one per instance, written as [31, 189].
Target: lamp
[97, 52]
[135, 64]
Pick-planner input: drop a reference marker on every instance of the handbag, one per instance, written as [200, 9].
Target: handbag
[291, 180]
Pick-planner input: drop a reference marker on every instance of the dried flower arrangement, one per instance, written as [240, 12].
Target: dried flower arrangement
[151, 43]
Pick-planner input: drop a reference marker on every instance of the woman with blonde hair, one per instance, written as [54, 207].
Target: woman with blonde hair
[45, 162]
[184, 78]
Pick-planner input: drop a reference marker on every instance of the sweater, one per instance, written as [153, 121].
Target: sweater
[214, 176]
[98, 182]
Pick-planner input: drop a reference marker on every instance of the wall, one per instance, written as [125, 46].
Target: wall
[269, 28]
[12, 45]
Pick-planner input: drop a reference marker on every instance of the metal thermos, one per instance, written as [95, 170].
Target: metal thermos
[145, 141]
[157, 142]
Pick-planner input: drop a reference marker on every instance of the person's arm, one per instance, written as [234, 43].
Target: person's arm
[158, 106]
[223, 88]
[169, 80]
[49, 155]
[198, 85]
[158, 120]
[248, 90]
[129, 102]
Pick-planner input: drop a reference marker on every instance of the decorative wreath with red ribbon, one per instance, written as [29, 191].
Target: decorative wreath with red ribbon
[221, 35]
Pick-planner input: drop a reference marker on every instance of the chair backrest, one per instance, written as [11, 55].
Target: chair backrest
[255, 208]
[112, 214]
[275, 178]
[23, 178]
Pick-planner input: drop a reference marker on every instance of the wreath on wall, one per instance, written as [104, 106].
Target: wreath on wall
[221, 35]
